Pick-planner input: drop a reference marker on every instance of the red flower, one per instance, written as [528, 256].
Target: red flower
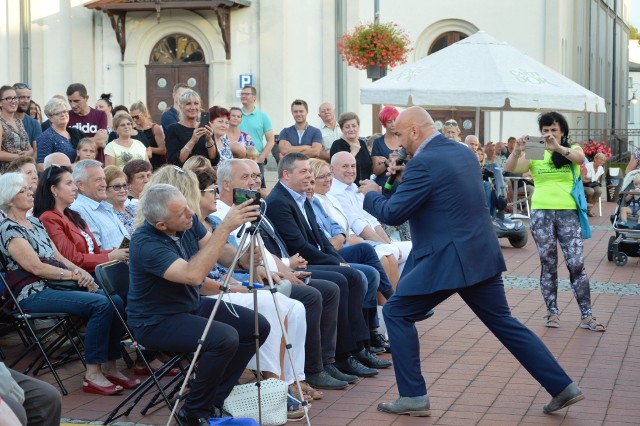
[374, 44]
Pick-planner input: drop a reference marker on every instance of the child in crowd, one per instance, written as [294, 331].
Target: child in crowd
[86, 149]
[633, 204]
[252, 153]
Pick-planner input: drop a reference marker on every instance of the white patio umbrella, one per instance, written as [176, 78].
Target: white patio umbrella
[482, 73]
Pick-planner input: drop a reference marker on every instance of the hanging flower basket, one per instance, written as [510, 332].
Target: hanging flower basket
[375, 46]
[592, 148]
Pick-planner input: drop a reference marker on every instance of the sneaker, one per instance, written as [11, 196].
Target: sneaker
[590, 323]
[553, 321]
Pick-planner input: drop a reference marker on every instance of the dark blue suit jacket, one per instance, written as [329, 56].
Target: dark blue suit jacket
[441, 194]
[291, 225]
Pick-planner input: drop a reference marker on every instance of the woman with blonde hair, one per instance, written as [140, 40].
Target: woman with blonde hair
[124, 149]
[153, 132]
[451, 130]
[196, 162]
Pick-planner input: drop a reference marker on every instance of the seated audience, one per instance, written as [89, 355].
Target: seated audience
[196, 162]
[165, 309]
[592, 181]
[124, 149]
[66, 228]
[138, 176]
[92, 206]
[60, 137]
[56, 159]
[32, 401]
[30, 257]
[27, 166]
[117, 193]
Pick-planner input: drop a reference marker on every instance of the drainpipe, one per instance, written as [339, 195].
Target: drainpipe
[341, 71]
[25, 41]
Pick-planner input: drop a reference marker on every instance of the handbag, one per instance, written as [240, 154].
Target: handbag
[243, 402]
[20, 278]
[577, 192]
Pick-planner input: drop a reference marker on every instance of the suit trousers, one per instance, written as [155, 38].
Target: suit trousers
[352, 327]
[320, 299]
[488, 301]
[226, 349]
[42, 404]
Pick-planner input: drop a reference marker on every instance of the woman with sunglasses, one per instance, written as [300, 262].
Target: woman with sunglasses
[153, 132]
[14, 141]
[117, 193]
[451, 130]
[26, 246]
[554, 218]
[66, 228]
[59, 137]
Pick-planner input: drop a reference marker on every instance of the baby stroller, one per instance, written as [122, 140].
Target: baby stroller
[626, 242]
[505, 227]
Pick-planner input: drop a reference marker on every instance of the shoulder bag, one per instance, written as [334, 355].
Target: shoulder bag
[577, 192]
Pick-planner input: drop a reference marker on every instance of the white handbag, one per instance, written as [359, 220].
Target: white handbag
[243, 402]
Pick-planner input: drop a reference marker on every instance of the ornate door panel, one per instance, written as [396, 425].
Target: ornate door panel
[466, 122]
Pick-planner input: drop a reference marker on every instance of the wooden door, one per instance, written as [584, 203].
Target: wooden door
[162, 77]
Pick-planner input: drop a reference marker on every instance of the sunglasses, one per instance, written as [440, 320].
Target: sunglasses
[451, 123]
[119, 187]
[51, 168]
[178, 170]
[21, 86]
[215, 190]
[135, 117]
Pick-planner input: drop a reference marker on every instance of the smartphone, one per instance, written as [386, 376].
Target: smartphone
[204, 118]
[125, 242]
[535, 147]
[242, 195]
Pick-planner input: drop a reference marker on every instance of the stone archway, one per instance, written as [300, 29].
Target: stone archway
[176, 58]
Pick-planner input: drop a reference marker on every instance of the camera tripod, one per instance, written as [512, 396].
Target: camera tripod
[255, 240]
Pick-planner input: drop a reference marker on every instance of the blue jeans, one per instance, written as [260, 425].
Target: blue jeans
[104, 329]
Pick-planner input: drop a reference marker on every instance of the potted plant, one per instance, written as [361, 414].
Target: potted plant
[374, 47]
[591, 148]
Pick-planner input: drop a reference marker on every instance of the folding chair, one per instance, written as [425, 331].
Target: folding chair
[22, 322]
[113, 278]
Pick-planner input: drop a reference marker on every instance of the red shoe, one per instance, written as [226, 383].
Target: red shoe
[90, 387]
[142, 371]
[125, 383]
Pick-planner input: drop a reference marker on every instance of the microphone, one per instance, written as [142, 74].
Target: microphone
[402, 156]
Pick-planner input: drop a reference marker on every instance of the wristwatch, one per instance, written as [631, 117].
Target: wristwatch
[344, 235]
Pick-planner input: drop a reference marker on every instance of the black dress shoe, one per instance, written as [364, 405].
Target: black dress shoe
[323, 380]
[429, 314]
[379, 341]
[337, 374]
[353, 367]
[368, 359]
[570, 395]
[187, 420]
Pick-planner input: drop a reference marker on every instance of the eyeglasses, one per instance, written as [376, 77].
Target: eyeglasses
[255, 176]
[126, 124]
[325, 176]
[10, 99]
[59, 113]
[246, 94]
[451, 123]
[215, 190]
[135, 117]
[119, 187]
[21, 86]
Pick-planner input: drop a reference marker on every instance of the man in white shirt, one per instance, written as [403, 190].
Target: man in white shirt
[344, 189]
[330, 129]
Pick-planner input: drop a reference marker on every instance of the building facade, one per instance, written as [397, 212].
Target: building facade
[287, 48]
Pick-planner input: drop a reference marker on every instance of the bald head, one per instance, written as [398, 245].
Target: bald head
[343, 166]
[57, 158]
[472, 142]
[413, 126]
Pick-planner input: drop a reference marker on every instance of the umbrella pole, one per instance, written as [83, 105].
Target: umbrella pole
[478, 123]
[501, 124]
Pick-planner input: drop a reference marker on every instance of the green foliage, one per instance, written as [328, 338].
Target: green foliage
[633, 34]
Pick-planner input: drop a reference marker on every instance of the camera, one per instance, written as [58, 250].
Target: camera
[242, 195]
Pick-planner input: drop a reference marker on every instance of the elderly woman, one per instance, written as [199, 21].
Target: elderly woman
[201, 193]
[30, 253]
[14, 141]
[27, 166]
[234, 134]
[117, 195]
[554, 218]
[138, 176]
[187, 137]
[349, 123]
[66, 228]
[591, 179]
[153, 132]
[220, 124]
[451, 130]
[124, 149]
[59, 137]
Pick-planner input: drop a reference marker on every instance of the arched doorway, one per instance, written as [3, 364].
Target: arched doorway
[466, 119]
[177, 58]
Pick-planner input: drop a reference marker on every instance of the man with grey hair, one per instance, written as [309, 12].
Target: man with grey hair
[171, 255]
[330, 130]
[90, 203]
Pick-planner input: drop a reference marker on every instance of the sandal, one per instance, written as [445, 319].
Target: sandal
[553, 321]
[294, 411]
[294, 392]
[590, 323]
[313, 393]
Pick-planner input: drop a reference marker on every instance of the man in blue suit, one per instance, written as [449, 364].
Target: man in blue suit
[440, 192]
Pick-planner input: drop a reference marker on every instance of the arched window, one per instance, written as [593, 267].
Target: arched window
[446, 39]
[177, 49]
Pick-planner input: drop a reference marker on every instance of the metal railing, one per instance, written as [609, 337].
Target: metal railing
[623, 142]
